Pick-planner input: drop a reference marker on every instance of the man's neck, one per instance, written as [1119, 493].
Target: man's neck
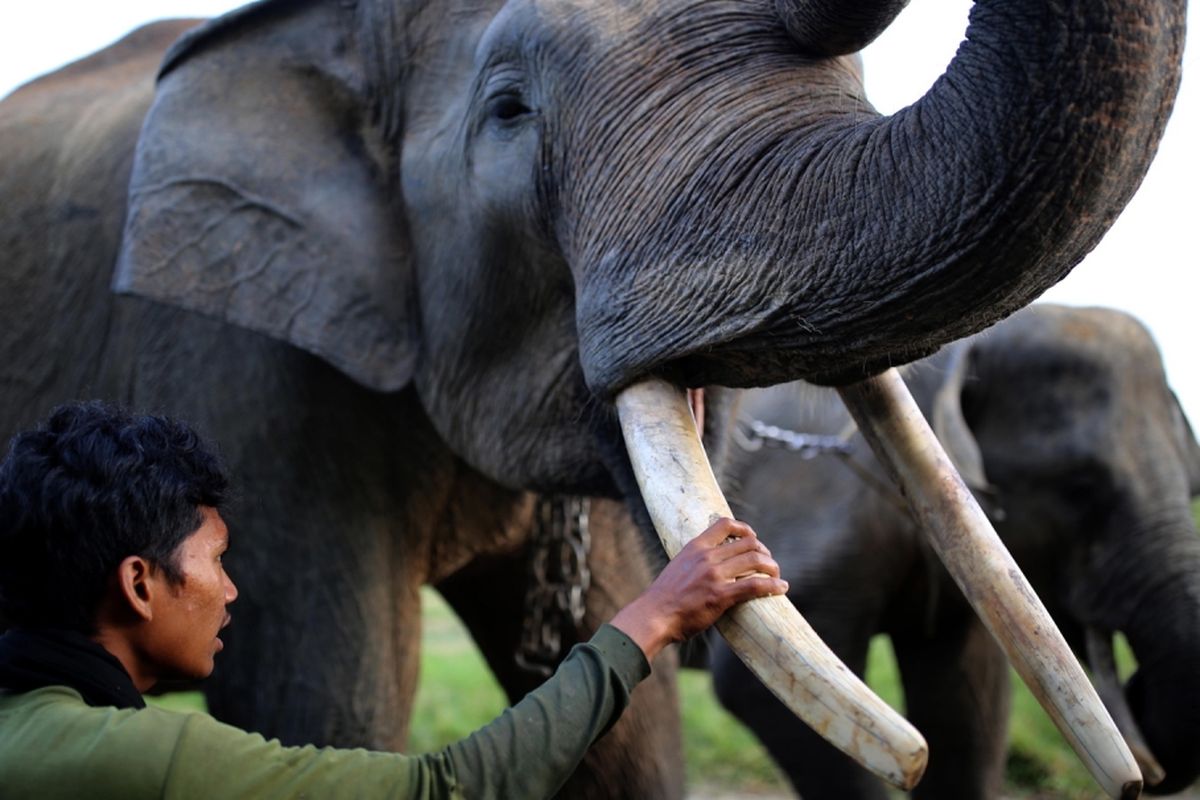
[116, 642]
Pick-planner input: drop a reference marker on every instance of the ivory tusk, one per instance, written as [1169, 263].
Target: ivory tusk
[966, 543]
[1108, 686]
[768, 634]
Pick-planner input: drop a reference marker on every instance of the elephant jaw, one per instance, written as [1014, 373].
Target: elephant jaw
[990, 579]
[683, 499]
[1108, 686]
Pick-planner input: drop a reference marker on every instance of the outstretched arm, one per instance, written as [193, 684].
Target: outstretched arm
[531, 749]
[527, 752]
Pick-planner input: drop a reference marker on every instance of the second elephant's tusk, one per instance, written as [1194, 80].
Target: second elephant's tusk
[768, 634]
[964, 539]
[1108, 686]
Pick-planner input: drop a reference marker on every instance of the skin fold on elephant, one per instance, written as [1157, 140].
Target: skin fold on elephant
[433, 244]
[1062, 420]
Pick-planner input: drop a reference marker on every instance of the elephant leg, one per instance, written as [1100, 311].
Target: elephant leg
[815, 768]
[957, 691]
[332, 659]
[642, 755]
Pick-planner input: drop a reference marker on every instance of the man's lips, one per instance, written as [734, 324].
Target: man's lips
[224, 624]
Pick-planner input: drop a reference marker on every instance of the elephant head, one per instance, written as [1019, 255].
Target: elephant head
[523, 208]
[1094, 464]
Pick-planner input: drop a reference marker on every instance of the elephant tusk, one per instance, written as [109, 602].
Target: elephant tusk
[1108, 686]
[964, 539]
[768, 633]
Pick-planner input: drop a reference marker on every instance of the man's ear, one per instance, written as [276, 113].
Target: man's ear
[264, 191]
[135, 588]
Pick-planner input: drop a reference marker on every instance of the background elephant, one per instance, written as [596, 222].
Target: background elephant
[1087, 465]
[431, 242]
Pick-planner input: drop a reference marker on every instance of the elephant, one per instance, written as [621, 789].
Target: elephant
[403, 260]
[1062, 421]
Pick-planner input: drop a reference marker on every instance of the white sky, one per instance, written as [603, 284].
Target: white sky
[1143, 265]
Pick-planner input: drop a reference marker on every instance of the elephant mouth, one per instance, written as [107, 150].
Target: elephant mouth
[1103, 664]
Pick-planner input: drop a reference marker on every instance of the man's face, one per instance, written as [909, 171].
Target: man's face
[188, 616]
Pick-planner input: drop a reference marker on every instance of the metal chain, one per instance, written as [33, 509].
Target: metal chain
[559, 579]
[758, 434]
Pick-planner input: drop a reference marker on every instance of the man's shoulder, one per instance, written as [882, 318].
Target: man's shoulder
[51, 741]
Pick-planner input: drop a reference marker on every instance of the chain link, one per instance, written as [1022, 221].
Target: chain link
[559, 579]
[757, 434]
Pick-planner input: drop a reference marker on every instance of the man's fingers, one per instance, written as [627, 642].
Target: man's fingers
[754, 586]
[724, 528]
[737, 547]
[746, 563]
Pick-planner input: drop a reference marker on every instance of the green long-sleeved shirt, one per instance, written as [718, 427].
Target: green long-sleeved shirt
[53, 745]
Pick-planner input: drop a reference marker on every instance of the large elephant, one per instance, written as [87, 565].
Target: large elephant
[432, 242]
[1064, 421]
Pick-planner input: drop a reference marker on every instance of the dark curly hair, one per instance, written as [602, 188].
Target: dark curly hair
[89, 487]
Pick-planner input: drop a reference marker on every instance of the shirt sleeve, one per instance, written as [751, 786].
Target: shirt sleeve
[531, 749]
[526, 752]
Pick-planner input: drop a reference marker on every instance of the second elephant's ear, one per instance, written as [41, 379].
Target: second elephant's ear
[1191, 448]
[263, 193]
[950, 425]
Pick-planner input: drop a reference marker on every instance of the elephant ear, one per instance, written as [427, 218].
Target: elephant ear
[264, 194]
[1191, 448]
[950, 425]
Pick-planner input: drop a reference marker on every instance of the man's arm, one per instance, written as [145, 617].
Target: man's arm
[532, 748]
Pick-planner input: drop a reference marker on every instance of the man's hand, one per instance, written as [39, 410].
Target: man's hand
[699, 585]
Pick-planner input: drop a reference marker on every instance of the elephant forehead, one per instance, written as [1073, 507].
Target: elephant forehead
[610, 20]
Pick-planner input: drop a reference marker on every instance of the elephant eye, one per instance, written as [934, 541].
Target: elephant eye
[508, 107]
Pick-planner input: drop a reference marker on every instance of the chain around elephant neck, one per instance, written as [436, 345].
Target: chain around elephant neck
[559, 579]
[758, 434]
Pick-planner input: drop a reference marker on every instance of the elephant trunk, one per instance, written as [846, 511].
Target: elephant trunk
[1164, 694]
[1005, 174]
[831, 28]
[818, 240]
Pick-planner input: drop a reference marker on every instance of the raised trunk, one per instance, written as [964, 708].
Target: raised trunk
[1012, 167]
[830, 28]
[823, 242]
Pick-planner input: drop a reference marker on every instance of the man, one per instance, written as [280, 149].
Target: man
[111, 542]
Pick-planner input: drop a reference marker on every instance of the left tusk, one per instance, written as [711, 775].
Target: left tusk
[768, 633]
[993, 583]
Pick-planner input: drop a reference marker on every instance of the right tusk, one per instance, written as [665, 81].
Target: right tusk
[768, 633]
[1108, 686]
[964, 539]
